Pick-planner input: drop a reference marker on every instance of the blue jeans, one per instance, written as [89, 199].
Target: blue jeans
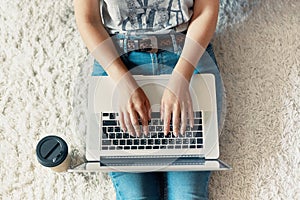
[160, 185]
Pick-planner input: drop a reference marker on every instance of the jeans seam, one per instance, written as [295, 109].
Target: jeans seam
[116, 185]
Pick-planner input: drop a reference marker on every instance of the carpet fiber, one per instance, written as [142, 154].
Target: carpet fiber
[43, 79]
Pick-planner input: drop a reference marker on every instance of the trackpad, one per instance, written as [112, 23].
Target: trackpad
[154, 92]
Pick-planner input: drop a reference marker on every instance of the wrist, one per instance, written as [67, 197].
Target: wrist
[185, 68]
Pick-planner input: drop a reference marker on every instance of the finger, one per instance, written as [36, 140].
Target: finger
[143, 113]
[128, 124]
[183, 118]
[121, 121]
[148, 108]
[135, 122]
[162, 111]
[167, 118]
[176, 119]
[190, 112]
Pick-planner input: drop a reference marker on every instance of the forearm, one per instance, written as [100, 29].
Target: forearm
[97, 39]
[200, 32]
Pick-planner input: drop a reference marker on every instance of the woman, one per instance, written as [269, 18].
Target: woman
[144, 37]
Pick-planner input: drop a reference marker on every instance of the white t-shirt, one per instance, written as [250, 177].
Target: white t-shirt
[147, 16]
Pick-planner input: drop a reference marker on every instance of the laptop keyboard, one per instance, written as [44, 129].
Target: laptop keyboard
[113, 138]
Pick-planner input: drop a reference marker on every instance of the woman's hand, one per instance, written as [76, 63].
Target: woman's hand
[176, 104]
[133, 106]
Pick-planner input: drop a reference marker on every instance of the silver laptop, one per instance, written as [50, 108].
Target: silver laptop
[110, 149]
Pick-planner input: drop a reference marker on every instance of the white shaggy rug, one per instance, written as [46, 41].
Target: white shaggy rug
[44, 88]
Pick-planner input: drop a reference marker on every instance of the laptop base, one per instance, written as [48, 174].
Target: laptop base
[178, 165]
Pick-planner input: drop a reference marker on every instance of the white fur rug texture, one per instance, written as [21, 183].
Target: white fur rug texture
[44, 81]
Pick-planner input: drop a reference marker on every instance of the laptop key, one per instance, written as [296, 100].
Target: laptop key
[185, 146]
[105, 114]
[148, 147]
[122, 142]
[192, 146]
[136, 142]
[155, 115]
[143, 141]
[171, 141]
[129, 142]
[112, 115]
[170, 147]
[150, 141]
[117, 129]
[126, 147]
[197, 128]
[112, 148]
[104, 130]
[133, 147]
[199, 141]
[155, 147]
[119, 135]
[109, 123]
[197, 134]
[104, 148]
[157, 141]
[153, 135]
[199, 146]
[192, 141]
[105, 136]
[197, 121]
[155, 122]
[115, 142]
[198, 114]
[141, 147]
[161, 135]
[188, 134]
[110, 129]
[177, 146]
[178, 141]
[106, 142]
[151, 128]
[185, 141]
[112, 135]
[125, 135]
[164, 141]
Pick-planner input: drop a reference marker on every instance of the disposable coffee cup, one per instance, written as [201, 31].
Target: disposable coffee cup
[52, 152]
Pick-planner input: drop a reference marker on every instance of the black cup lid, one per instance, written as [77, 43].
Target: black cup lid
[51, 151]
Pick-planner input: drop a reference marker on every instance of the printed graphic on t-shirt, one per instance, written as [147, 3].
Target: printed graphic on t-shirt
[149, 15]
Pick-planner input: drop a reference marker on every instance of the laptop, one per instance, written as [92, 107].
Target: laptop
[109, 149]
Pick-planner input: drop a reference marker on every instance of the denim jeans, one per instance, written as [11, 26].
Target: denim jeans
[163, 185]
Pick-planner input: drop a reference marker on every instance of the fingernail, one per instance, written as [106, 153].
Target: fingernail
[132, 134]
[145, 130]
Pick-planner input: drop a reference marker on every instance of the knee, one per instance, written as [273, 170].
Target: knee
[188, 185]
[135, 186]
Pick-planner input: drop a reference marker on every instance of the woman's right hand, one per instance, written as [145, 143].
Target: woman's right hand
[133, 106]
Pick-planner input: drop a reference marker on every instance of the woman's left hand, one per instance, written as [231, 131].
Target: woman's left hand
[176, 105]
